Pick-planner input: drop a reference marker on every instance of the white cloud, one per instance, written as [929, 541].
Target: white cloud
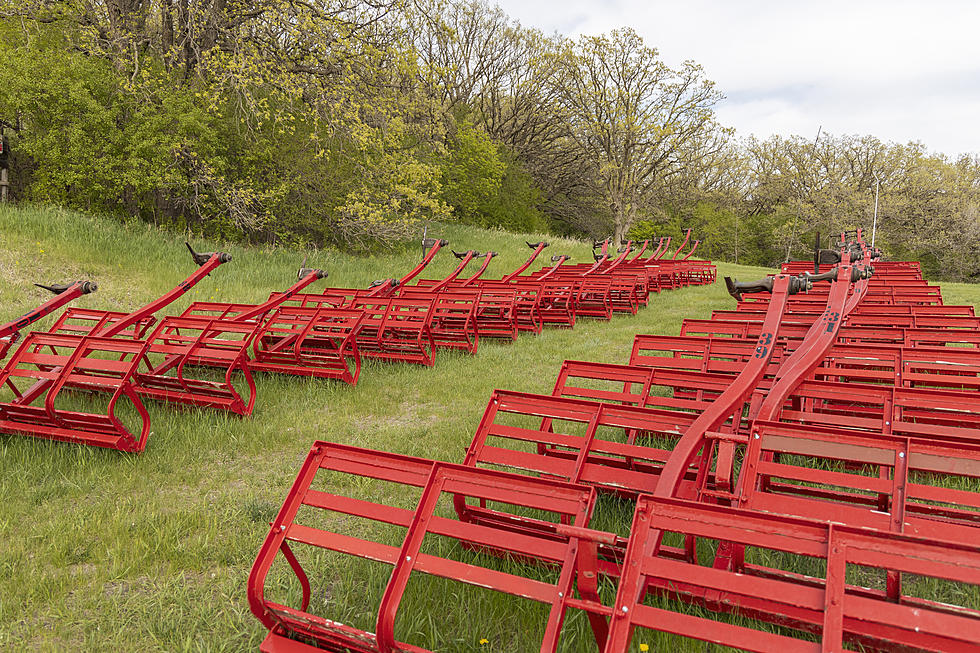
[896, 69]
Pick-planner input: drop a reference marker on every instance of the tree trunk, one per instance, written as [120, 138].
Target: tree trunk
[620, 230]
[167, 27]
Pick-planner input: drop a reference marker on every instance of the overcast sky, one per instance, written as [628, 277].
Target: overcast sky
[895, 69]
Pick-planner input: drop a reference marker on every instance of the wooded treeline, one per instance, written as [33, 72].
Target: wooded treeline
[346, 123]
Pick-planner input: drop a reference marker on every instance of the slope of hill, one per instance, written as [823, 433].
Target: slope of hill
[105, 551]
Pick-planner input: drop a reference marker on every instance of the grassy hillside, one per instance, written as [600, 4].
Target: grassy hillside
[105, 551]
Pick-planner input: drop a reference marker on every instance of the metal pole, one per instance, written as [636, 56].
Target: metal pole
[874, 224]
[4, 150]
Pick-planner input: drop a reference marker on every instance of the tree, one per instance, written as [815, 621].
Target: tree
[488, 70]
[278, 118]
[632, 117]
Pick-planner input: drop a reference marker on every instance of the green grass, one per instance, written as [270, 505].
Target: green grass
[103, 551]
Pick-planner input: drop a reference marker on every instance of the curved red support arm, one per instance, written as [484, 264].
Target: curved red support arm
[554, 268]
[417, 270]
[603, 258]
[308, 277]
[693, 249]
[619, 259]
[808, 356]
[537, 250]
[643, 249]
[276, 541]
[732, 399]
[467, 257]
[483, 268]
[818, 340]
[660, 246]
[204, 270]
[598, 264]
[72, 292]
[687, 237]
[666, 247]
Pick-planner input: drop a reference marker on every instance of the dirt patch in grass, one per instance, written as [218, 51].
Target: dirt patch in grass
[83, 569]
[125, 587]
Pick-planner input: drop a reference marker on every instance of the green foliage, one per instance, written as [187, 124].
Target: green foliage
[515, 208]
[72, 103]
[725, 233]
[486, 186]
[471, 174]
[103, 142]
[242, 142]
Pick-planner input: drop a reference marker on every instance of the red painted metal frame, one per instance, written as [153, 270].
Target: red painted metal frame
[866, 318]
[869, 335]
[254, 312]
[879, 294]
[895, 382]
[656, 254]
[864, 479]
[137, 323]
[642, 250]
[823, 602]
[578, 441]
[497, 313]
[454, 324]
[538, 248]
[556, 542]
[90, 321]
[526, 310]
[818, 340]
[10, 332]
[140, 315]
[455, 307]
[557, 262]
[880, 502]
[396, 329]
[687, 237]
[52, 361]
[509, 305]
[386, 286]
[315, 342]
[951, 368]
[105, 357]
[435, 285]
[840, 414]
[693, 249]
[890, 458]
[474, 278]
[599, 289]
[179, 346]
[731, 401]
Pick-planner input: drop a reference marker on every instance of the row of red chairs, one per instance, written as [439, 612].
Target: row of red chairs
[207, 355]
[805, 483]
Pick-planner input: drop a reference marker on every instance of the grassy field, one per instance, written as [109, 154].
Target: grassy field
[103, 551]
